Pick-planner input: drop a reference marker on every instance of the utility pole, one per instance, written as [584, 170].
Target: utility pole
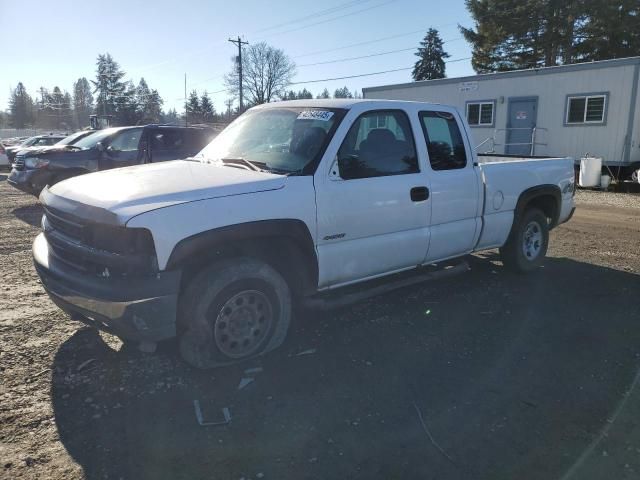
[239, 43]
[229, 103]
[186, 124]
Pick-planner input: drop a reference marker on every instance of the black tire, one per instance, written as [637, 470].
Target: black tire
[233, 310]
[521, 254]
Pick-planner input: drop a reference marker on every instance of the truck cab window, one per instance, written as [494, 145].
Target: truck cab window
[378, 144]
[444, 140]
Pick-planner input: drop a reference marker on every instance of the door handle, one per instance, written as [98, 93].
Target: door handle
[419, 194]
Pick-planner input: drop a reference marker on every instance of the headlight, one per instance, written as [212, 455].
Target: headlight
[35, 162]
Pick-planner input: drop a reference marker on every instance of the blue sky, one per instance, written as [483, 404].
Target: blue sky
[54, 43]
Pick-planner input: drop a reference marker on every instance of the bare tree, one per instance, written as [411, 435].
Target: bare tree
[266, 73]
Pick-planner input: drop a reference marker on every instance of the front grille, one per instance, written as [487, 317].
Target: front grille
[72, 241]
[64, 224]
[19, 163]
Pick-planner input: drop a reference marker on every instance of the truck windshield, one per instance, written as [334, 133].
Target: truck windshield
[284, 140]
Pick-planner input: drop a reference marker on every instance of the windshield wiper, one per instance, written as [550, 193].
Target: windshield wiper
[255, 166]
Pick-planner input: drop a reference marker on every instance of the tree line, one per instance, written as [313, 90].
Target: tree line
[524, 34]
[506, 35]
[108, 94]
[510, 34]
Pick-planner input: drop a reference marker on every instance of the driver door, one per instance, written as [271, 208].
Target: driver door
[373, 207]
[122, 149]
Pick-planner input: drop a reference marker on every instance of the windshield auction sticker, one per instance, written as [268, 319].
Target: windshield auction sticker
[323, 115]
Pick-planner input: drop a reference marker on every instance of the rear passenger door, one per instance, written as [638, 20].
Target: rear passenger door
[373, 206]
[168, 144]
[455, 189]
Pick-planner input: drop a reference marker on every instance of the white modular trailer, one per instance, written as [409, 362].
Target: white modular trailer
[569, 111]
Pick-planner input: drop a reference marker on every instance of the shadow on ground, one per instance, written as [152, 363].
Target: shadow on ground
[3, 177]
[514, 377]
[31, 214]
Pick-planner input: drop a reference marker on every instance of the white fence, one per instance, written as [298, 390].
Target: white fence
[24, 132]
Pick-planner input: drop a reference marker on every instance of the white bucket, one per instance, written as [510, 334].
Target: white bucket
[605, 181]
[590, 171]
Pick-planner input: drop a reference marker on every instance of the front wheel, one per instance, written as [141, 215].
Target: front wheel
[233, 310]
[528, 242]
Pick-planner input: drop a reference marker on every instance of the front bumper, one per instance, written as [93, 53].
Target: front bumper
[140, 308]
[29, 181]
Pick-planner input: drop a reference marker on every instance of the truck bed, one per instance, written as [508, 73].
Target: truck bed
[505, 177]
[498, 158]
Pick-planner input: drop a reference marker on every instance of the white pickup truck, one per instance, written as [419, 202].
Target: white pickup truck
[291, 201]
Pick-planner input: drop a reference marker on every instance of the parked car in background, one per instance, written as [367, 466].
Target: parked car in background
[106, 149]
[37, 141]
[8, 142]
[4, 159]
[38, 148]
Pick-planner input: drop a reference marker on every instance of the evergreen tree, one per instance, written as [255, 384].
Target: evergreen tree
[44, 111]
[610, 30]
[148, 104]
[154, 106]
[66, 112]
[82, 102]
[304, 94]
[126, 107]
[193, 108]
[109, 86]
[517, 34]
[431, 64]
[20, 107]
[342, 93]
[143, 94]
[325, 94]
[290, 95]
[56, 108]
[207, 110]
[170, 117]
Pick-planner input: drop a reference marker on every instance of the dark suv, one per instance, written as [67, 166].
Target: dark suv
[105, 149]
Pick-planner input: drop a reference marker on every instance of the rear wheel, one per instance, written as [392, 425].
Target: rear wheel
[528, 242]
[233, 310]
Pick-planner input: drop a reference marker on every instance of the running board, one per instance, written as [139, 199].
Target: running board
[331, 300]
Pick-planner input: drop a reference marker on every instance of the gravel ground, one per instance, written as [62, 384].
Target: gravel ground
[486, 376]
[609, 199]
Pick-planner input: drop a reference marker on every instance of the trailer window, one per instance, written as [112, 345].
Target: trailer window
[480, 114]
[444, 140]
[585, 109]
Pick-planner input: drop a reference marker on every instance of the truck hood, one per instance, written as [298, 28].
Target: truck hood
[126, 192]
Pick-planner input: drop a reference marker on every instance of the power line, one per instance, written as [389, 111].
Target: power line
[315, 14]
[369, 74]
[333, 18]
[368, 56]
[406, 34]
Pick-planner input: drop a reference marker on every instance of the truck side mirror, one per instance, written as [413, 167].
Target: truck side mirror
[100, 147]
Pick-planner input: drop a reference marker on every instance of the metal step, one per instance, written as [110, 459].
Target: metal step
[348, 295]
